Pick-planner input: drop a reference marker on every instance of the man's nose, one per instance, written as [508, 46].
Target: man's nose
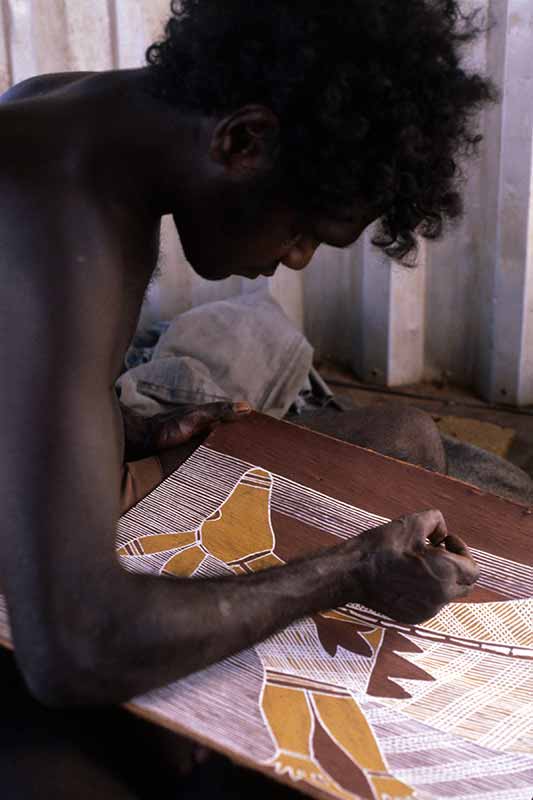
[300, 253]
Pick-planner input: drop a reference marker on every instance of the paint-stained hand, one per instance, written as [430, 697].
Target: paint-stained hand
[148, 436]
[412, 567]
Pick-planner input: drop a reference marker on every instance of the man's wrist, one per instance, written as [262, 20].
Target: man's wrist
[343, 570]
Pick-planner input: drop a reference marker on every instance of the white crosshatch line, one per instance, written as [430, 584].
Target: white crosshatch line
[202, 484]
[216, 702]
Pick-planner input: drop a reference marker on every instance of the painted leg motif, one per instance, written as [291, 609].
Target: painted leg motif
[324, 738]
[185, 563]
[346, 725]
[301, 740]
[240, 533]
[264, 562]
[158, 543]
[181, 564]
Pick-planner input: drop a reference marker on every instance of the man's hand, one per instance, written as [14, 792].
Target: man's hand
[412, 567]
[148, 436]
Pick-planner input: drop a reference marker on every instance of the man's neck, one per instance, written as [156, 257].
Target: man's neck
[158, 146]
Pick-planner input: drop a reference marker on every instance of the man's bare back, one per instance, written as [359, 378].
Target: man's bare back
[90, 164]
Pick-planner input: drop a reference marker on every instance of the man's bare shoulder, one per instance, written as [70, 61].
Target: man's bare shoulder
[56, 114]
[67, 225]
[40, 85]
[66, 250]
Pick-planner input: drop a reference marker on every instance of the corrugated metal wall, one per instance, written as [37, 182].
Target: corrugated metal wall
[466, 312]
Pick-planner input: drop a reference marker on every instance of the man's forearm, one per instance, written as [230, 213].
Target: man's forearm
[155, 631]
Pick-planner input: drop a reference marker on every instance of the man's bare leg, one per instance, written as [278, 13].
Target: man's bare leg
[395, 430]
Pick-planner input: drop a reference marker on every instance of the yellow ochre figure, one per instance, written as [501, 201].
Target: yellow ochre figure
[321, 735]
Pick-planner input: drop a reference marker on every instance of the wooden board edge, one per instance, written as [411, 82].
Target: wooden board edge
[403, 464]
[173, 727]
[161, 721]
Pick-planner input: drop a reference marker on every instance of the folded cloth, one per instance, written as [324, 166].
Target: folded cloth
[243, 348]
[142, 348]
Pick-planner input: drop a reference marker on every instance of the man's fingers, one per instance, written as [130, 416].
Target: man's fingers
[181, 429]
[467, 568]
[427, 526]
[205, 415]
[433, 530]
[454, 544]
[440, 530]
[460, 591]
[430, 537]
[456, 556]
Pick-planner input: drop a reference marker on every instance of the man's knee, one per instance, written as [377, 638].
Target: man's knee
[395, 430]
[414, 437]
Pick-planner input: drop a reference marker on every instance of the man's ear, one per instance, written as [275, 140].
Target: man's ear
[247, 140]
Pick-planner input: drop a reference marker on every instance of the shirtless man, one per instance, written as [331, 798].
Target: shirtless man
[264, 132]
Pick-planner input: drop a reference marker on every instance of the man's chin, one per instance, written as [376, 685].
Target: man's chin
[210, 274]
[220, 274]
[260, 272]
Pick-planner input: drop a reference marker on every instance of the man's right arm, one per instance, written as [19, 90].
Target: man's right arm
[86, 631]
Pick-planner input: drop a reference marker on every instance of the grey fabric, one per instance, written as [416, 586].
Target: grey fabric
[315, 394]
[143, 345]
[487, 471]
[244, 348]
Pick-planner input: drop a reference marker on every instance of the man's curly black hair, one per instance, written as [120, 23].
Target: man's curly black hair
[373, 100]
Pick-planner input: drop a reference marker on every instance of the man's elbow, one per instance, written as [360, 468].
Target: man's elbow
[58, 690]
[45, 686]
[73, 680]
